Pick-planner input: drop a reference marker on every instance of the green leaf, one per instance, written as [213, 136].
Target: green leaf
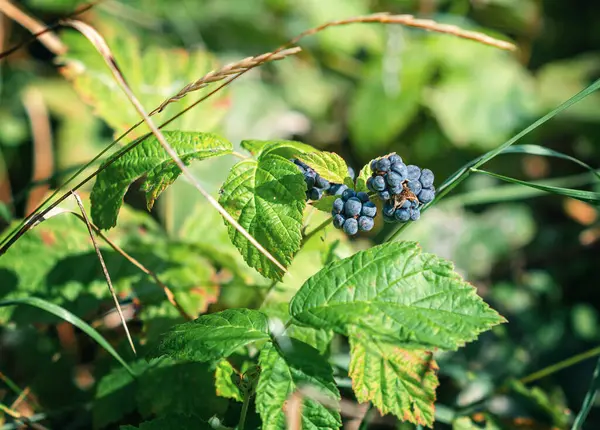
[395, 380]
[584, 196]
[315, 337]
[153, 74]
[386, 102]
[283, 373]
[552, 406]
[286, 148]
[327, 164]
[225, 385]
[150, 159]
[213, 336]
[399, 295]
[361, 179]
[267, 197]
[170, 387]
[70, 318]
[172, 422]
[115, 395]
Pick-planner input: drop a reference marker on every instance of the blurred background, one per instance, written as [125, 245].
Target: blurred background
[362, 91]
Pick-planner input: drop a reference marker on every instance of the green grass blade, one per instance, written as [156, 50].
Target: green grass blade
[545, 152]
[512, 192]
[589, 399]
[73, 319]
[584, 196]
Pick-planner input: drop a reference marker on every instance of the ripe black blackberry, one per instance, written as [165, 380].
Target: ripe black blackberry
[353, 212]
[403, 189]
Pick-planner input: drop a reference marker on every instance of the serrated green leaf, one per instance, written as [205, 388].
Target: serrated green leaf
[315, 337]
[115, 395]
[325, 204]
[286, 148]
[225, 386]
[395, 380]
[178, 388]
[399, 295]
[267, 197]
[283, 373]
[361, 179]
[172, 422]
[213, 336]
[150, 159]
[327, 164]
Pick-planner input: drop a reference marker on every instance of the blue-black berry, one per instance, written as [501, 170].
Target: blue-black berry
[350, 226]
[353, 212]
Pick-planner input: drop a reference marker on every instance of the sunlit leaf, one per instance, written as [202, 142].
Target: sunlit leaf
[225, 385]
[396, 380]
[151, 160]
[267, 197]
[213, 336]
[399, 295]
[329, 165]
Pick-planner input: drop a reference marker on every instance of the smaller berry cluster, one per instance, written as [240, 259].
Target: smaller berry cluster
[404, 189]
[315, 184]
[353, 212]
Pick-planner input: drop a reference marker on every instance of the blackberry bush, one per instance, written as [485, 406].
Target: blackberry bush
[353, 212]
[403, 189]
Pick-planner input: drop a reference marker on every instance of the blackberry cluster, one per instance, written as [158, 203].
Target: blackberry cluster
[315, 184]
[353, 212]
[404, 189]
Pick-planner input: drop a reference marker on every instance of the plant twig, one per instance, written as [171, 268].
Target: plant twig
[104, 269]
[553, 368]
[96, 39]
[225, 71]
[48, 39]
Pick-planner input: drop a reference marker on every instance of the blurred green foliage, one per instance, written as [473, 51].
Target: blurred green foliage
[361, 91]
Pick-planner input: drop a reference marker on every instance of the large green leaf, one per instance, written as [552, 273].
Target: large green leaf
[213, 336]
[327, 164]
[153, 74]
[150, 159]
[283, 373]
[398, 294]
[395, 380]
[267, 197]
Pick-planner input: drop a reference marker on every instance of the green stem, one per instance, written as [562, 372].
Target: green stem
[244, 412]
[10, 384]
[561, 365]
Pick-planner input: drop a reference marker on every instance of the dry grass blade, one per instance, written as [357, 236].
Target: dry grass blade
[104, 269]
[99, 43]
[228, 70]
[49, 40]
[411, 21]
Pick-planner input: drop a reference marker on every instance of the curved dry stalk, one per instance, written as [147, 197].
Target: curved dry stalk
[411, 21]
[100, 44]
[228, 70]
[104, 269]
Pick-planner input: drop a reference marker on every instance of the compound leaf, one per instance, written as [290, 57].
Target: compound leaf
[395, 380]
[283, 373]
[399, 295]
[149, 158]
[267, 197]
[213, 336]
[327, 164]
